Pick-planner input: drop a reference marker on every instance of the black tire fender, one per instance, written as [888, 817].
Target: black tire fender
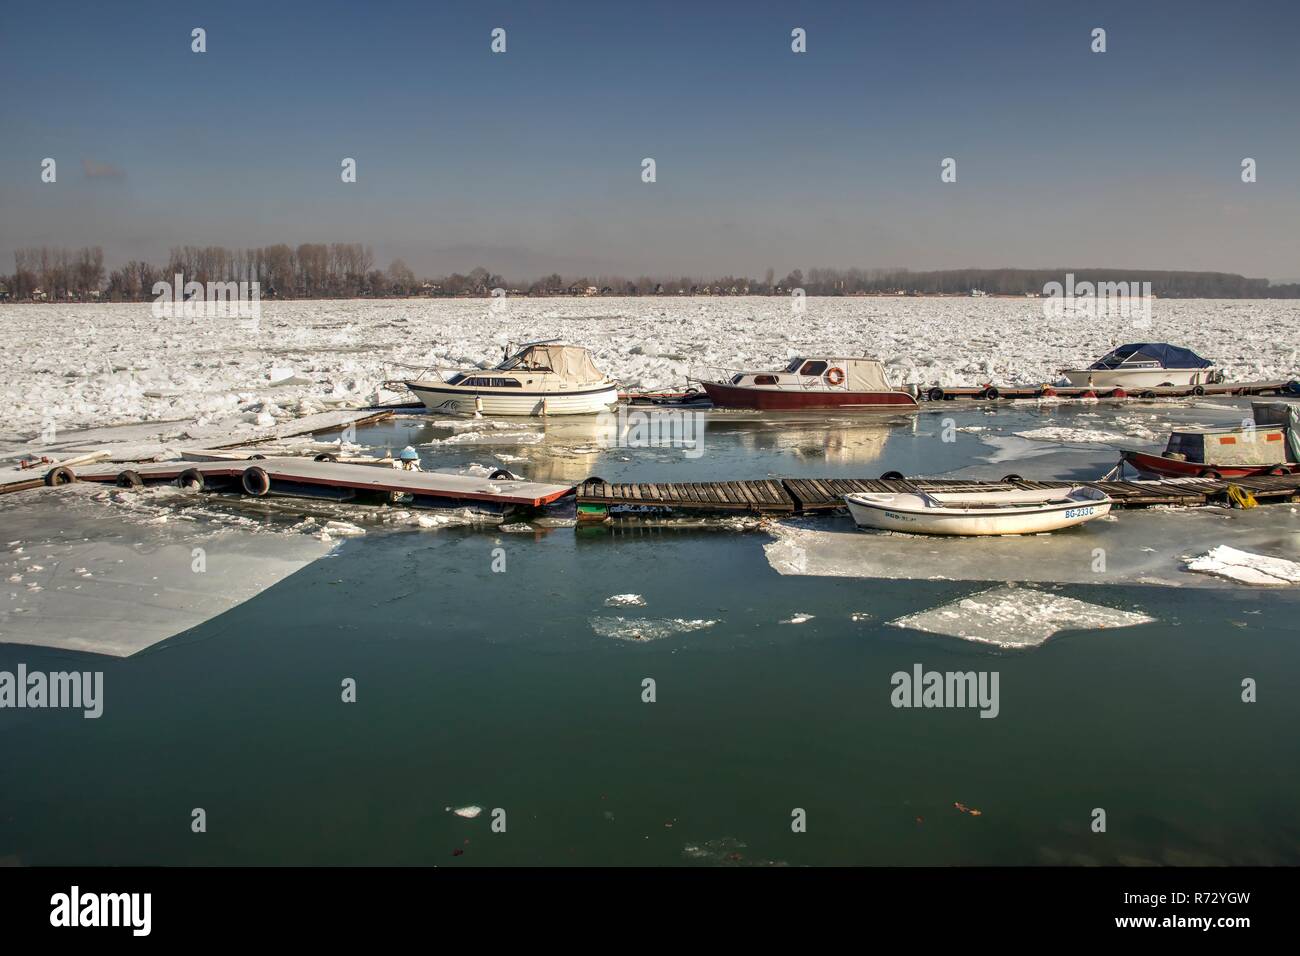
[255, 481]
[62, 475]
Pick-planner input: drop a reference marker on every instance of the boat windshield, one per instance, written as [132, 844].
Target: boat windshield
[527, 360]
[1151, 355]
[1126, 356]
[794, 364]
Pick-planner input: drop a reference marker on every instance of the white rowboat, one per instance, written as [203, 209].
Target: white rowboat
[978, 513]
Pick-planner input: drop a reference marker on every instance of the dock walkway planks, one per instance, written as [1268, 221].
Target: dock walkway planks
[751, 496]
[808, 495]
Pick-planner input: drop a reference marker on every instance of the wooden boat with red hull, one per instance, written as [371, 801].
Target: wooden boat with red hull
[845, 384]
[1160, 466]
[1268, 445]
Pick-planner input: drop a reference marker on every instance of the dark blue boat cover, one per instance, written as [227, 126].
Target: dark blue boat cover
[1169, 356]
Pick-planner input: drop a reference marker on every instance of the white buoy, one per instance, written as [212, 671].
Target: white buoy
[478, 406]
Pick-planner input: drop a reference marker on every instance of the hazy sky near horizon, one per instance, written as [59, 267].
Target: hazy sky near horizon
[530, 161]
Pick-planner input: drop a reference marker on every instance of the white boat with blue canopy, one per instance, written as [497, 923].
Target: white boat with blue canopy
[1145, 365]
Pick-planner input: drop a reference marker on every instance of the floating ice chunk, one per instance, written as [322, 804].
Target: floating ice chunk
[1017, 617]
[469, 813]
[517, 527]
[1246, 568]
[1071, 436]
[799, 617]
[644, 628]
[625, 600]
[343, 528]
[488, 438]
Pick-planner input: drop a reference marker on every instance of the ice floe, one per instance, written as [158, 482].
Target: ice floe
[625, 600]
[644, 628]
[1246, 568]
[1147, 546]
[1071, 436]
[1017, 617]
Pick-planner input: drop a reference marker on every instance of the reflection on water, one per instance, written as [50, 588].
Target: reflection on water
[970, 439]
[652, 444]
[810, 437]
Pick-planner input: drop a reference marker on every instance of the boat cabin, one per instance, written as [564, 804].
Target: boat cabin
[840, 374]
[1234, 445]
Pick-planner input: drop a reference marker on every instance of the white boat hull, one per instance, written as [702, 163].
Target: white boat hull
[908, 514]
[1138, 377]
[450, 400]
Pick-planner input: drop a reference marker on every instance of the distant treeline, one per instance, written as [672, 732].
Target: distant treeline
[348, 270]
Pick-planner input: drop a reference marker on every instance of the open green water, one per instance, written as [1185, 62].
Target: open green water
[493, 688]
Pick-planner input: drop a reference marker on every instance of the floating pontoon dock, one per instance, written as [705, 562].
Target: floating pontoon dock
[305, 477]
[811, 495]
[595, 497]
[941, 393]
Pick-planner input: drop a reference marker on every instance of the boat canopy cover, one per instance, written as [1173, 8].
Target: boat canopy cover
[1286, 414]
[571, 363]
[1169, 356]
[864, 375]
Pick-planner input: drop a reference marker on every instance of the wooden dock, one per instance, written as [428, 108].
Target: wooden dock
[596, 497]
[755, 497]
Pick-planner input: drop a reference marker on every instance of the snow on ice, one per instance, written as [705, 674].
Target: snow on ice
[1017, 617]
[81, 365]
[1246, 568]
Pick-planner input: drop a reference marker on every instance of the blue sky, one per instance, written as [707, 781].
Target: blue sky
[529, 161]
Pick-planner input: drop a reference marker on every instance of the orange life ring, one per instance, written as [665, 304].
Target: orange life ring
[835, 376]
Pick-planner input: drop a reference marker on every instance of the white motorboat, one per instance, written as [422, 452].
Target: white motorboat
[542, 378]
[1145, 365]
[1012, 511]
